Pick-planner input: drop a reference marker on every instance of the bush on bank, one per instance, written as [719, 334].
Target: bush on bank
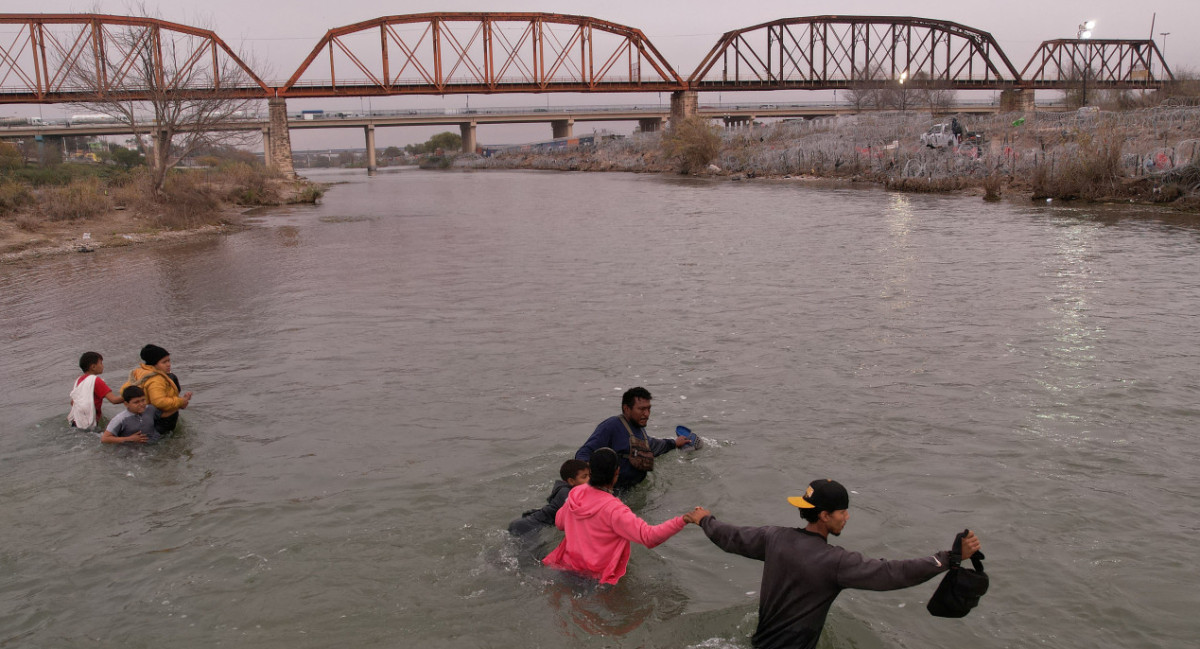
[190, 197]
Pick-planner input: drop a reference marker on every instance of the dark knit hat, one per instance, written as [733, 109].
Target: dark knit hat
[152, 354]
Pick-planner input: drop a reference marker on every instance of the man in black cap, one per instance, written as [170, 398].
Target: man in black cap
[803, 574]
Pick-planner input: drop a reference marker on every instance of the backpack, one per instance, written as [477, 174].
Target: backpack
[961, 588]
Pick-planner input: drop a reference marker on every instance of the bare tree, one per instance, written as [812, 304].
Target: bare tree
[864, 88]
[181, 89]
[938, 94]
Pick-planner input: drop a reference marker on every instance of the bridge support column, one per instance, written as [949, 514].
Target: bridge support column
[650, 124]
[562, 127]
[1018, 100]
[280, 153]
[267, 161]
[370, 133]
[684, 104]
[467, 129]
[734, 123]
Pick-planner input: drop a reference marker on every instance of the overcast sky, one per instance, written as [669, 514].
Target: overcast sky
[281, 34]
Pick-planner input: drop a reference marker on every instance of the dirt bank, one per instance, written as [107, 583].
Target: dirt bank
[128, 218]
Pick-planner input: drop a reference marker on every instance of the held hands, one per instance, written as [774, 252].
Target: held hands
[187, 398]
[696, 515]
[970, 545]
[681, 441]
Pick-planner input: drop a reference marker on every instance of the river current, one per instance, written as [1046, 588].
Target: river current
[384, 380]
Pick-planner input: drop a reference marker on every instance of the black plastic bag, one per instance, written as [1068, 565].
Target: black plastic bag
[961, 588]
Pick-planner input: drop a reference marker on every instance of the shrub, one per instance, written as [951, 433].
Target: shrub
[248, 184]
[692, 144]
[10, 157]
[1093, 171]
[187, 201]
[310, 193]
[82, 198]
[12, 195]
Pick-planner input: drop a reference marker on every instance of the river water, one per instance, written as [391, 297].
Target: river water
[384, 380]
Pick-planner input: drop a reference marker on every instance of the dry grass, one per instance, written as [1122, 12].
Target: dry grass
[188, 201]
[1093, 171]
[82, 198]
[13, 195]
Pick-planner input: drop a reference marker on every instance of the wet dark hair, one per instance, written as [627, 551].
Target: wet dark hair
[89, 359]
[639, 392]
[604, 464]
[132, 392]
[571, 468]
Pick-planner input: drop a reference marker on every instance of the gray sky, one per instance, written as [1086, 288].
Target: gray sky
[280, 34]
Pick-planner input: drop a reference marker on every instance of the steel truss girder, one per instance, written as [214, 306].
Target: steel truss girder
[487, 52]
[92, 57]
[1103, 63]
[831, 52]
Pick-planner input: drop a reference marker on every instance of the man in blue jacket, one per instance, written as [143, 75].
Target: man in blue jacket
[624, 431]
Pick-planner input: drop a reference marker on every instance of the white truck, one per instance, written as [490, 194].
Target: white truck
[949, 135]
[940, 136]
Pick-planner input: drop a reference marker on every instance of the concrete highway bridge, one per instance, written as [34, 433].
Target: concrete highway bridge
[92, 59]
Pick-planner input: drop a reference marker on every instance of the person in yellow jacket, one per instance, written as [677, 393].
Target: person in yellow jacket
[154, 377]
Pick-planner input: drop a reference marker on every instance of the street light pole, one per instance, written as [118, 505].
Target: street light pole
[1164, 35]
[1084, 33]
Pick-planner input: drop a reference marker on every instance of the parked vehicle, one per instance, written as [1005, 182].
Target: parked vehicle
[949, 135]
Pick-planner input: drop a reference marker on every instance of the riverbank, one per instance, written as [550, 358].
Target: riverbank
[1144, 156]
[92, 212]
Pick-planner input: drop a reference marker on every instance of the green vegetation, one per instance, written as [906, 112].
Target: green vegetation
[449, 143]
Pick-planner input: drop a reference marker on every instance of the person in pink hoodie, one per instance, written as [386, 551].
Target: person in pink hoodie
[599, 527]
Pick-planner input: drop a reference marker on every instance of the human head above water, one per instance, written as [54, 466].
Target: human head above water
[88, 360]
[628, 399]
[152, 354]
[570, 470]
[132, 392]
[635, 405]
[604, 465]
[822, 495]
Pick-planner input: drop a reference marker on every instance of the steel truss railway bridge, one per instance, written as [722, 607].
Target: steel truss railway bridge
[102, 59]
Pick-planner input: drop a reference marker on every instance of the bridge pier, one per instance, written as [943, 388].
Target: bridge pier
[369, 130]
[1017, 100]
[650, 124]
[562, 127]
[467, 129]
[684, 104]
[737, 122]
[279, 155]
[266, 140]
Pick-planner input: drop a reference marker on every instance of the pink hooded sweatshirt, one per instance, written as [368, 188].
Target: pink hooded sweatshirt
[599, 528]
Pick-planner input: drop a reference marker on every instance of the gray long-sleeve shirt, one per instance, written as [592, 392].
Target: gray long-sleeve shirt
[803, 574]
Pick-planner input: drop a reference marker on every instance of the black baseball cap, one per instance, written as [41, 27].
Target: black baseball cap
[824, 495]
